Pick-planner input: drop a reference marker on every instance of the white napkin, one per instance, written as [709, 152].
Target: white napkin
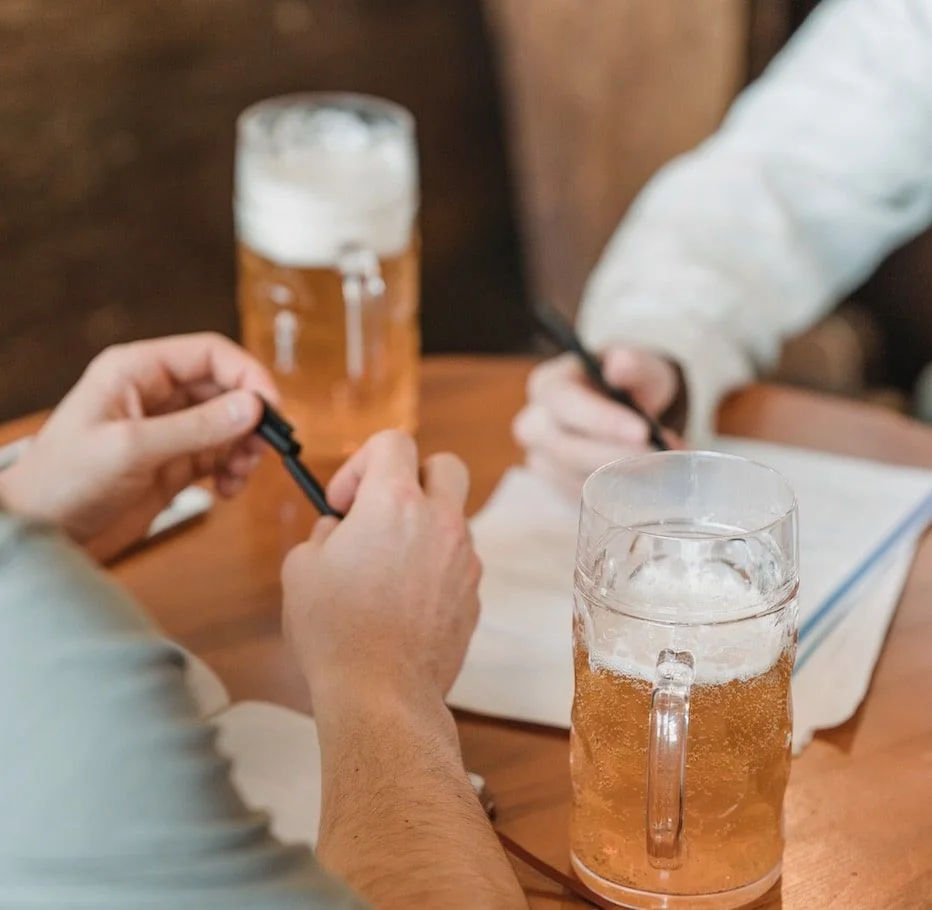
[206, 688]
[859, 526]
[275, 757]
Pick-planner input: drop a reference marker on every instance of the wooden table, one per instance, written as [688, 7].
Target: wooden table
[859, 808]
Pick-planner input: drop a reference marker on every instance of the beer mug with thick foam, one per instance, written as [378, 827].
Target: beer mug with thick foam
[684, 637]
[326, 207]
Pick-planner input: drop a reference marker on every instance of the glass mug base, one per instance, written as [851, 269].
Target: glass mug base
[636, 899]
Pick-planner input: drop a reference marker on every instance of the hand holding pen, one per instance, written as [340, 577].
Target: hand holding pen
[279, 434]
[561, 333]
[579, 412]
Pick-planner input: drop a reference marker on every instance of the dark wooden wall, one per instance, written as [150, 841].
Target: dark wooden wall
[116, 150]
[599, 95]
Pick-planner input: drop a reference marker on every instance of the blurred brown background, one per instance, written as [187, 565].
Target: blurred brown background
[116, 164]
[538, 119]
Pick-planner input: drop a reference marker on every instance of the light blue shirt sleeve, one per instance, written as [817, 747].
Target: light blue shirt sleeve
[112, 793]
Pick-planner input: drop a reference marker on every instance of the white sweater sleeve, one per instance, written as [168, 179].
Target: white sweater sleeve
[819, 170]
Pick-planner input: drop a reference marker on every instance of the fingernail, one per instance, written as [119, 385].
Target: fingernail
[237, 410]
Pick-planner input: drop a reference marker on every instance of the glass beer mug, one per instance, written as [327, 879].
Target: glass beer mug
[328, 250]
[684, 638]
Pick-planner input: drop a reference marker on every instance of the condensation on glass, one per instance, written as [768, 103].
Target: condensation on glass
[684, 637]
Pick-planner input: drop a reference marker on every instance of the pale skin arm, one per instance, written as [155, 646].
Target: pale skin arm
[401, 822]
[379, 610]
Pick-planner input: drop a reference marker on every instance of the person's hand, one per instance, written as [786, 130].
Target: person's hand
[568, 428]
[386, 600]
[144, 421]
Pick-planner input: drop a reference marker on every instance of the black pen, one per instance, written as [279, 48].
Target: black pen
[279, 434]
[562, 334]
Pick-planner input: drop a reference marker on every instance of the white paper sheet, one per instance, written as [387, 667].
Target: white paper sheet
[519, 664]
[205, 686]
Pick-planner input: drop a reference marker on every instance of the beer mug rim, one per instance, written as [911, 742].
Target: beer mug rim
[252, 140]
[604, 507]
[633, 462]
[394, 113]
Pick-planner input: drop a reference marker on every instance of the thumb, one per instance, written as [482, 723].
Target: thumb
[202, 427]
[651, 380]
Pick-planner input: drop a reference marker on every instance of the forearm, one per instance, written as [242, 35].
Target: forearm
[400, 820]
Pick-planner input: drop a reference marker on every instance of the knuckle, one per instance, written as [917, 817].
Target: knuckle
[214, 343]
[393, 439]
[392, 442]
[632, 429]
[641, 433]
[450, 526]
[451, 523]
[519, 427]
[203, 420]
[215, 338]
[537, 380]
[452, 464]
[556, 372]
[125, 441]
[205, 337]
[404, 495]
[110, 356]
[453, 461]
[533, 427]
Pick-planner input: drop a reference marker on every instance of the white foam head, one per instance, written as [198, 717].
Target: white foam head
[316, 173]
[723, 622]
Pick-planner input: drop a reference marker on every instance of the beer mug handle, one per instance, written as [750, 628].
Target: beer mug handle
[666, 757]
[362, 284]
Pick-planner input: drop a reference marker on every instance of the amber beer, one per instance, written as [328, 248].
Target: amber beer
[737, 766]
[328, 262]
[685, 605]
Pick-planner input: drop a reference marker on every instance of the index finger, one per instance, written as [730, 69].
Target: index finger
[387, 459]
[157, 366]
